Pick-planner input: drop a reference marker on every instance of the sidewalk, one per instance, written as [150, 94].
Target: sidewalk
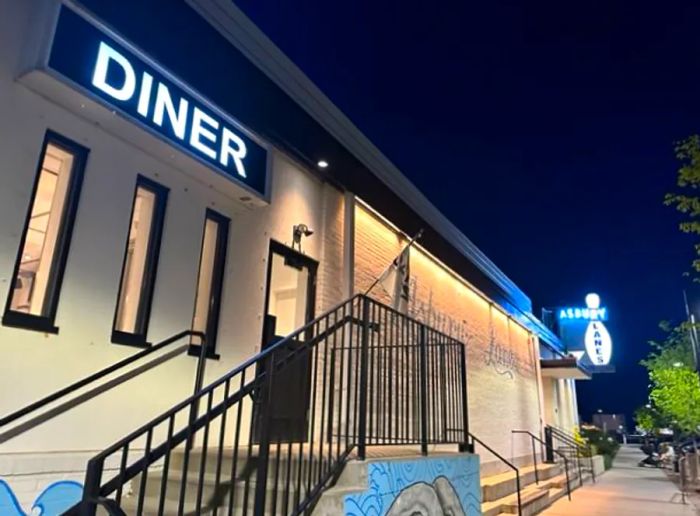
[625, 489]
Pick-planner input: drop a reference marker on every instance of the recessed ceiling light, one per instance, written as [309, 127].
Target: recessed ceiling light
[322, 164]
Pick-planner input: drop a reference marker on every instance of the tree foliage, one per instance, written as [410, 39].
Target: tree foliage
[686, 200]
[675, 385]
[649, 419]
[676, 392]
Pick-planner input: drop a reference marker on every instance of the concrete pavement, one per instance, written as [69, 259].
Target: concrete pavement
[626, 489]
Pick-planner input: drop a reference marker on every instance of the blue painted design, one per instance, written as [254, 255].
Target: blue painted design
[54, 500]
[388, 480]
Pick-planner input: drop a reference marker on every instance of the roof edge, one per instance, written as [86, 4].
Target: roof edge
[240, 31]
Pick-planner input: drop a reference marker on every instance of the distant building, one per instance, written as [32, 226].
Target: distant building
[610, 422]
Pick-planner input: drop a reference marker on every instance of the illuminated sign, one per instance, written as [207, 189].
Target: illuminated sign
[592, 312]
[136, 87]
[585, 335]
[598, 343]
[597, 314]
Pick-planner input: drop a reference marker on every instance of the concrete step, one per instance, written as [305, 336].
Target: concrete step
[533, 500]
[495, 487]
[211, 498]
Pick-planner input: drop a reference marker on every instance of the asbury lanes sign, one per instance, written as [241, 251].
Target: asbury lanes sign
[112, 71]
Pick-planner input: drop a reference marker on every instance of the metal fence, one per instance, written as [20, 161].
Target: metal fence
[270, 435]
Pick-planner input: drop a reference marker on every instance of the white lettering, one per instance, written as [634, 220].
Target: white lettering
[199, 130]
[164, 102]
[145, 94]
[105, 55]
[237, 153]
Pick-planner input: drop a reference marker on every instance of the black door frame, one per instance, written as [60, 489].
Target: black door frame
[267, 337]
[306, 261]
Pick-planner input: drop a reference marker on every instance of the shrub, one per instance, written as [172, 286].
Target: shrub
[601, 443]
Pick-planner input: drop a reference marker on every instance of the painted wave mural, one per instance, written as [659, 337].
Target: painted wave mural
[438, 486]
[54, 500]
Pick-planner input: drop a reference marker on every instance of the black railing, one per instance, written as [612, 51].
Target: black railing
[64, 399]
[534, 438]
[560, 439]
[505, 461]
[277, 429]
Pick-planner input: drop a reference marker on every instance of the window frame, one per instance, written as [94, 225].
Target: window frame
[139, 337]
[217, 282]
[47, 323]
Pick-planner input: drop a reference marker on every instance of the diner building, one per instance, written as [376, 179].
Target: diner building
[166, 170]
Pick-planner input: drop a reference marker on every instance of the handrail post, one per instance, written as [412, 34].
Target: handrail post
[91, 489]
[590, 456]
[264, 444]
[580, 472]
[423, 391]
[364, 351]
[517, 485]
[534, 457]
[568, 484]
[465, 403]
[549, 445]
[198, 382]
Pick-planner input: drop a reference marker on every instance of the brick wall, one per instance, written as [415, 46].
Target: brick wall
[330, 287]
[501, 355]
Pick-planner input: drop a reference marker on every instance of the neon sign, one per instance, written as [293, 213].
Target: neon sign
[112, 71]
[598, 343]
[592, 312]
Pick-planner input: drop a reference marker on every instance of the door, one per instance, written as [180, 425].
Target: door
[288, 307]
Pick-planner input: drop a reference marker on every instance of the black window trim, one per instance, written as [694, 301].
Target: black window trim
[217, 286]
[47, 323]
[139, 339]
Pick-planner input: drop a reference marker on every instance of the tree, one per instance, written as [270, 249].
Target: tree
[649, 419]
[687, 201]
[675, 386]
[676, 392]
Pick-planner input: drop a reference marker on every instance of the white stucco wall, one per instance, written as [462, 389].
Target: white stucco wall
[35, 364]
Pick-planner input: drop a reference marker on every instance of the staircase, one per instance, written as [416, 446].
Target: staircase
[210, 489]
[371, 377]
[498, 492]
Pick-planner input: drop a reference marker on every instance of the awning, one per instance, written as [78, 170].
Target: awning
[562, 368]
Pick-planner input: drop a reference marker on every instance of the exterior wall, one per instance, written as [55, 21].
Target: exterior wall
[35, 364]
[501, 355]
[559, 400]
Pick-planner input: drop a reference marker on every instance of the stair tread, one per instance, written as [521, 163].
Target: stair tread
[510, 475]
[527, 495]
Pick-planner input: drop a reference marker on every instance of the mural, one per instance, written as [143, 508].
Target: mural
[437, 486]
[54, 500]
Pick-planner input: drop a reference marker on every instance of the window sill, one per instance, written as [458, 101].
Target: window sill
[29, 322]
[130, 339]
[195, 350]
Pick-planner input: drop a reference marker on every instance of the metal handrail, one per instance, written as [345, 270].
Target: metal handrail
[363, 320]
[506, 462]
[62, 393]
[533, 438]
[571, 440]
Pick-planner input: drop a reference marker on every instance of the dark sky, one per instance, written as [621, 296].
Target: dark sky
[544, 130]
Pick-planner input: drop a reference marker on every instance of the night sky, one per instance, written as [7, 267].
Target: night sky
[544, 130]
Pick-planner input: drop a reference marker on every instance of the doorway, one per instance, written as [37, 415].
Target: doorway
[289, 305]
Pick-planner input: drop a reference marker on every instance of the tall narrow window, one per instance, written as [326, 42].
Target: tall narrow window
[212, 260]
[43, 251]
[140, 264]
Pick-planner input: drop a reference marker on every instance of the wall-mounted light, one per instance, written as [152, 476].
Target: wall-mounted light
[299, 231]
[322, 163]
